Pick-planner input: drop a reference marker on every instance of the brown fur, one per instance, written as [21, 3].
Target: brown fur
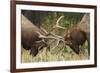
[75, 38]
[29, 36]
[78, 34]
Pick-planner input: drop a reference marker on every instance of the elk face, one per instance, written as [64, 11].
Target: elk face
[75, 38]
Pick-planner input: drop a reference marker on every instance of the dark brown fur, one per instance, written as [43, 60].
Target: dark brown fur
[78, 34]
[75, 38]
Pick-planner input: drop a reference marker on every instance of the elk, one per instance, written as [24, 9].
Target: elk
[76, 36]
[75, 39]
[32, 36]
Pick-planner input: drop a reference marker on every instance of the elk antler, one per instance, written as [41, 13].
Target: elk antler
[58, 38]
[46, 36]
[43, 30]
[57, 23]
[51, 35]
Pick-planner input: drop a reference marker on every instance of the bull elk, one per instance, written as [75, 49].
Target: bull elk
[76, 36]
[32, 36]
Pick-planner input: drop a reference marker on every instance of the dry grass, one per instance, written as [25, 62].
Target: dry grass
[57, 54]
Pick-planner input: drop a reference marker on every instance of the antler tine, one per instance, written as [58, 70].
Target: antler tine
[57, 23]
[40, 35]
[57, 43]
[59, 19]
[46, 37]
[44, 30]
[60, 37]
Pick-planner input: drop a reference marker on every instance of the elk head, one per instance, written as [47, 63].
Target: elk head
[74, 37]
